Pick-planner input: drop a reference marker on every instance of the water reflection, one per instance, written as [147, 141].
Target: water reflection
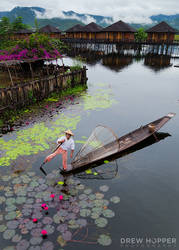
[157, 62]
[116, 62]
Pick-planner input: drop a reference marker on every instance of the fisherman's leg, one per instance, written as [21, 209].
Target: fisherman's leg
[64, 159]
[51, 156]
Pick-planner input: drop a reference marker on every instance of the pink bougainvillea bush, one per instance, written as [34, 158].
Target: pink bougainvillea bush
[37, 46]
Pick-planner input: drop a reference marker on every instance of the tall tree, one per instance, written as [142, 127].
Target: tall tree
[5, 26]
[18, 24]
[140, 35]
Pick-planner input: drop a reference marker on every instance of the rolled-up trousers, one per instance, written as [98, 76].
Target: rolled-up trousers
[64, 156]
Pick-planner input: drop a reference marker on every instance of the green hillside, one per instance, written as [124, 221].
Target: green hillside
[62, 24]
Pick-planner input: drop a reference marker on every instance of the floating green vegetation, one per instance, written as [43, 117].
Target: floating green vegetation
[63, 212]
[34, 139]
[102, 99]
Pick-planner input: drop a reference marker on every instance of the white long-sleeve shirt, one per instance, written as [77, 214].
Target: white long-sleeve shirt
[67, 144]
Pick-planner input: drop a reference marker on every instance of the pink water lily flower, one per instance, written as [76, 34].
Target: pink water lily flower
[44, 205]
[34, 220]
[46, 208]
[44, 232]
[52, 195]
[60, 197]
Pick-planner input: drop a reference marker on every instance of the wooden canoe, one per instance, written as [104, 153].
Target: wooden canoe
[119, 146]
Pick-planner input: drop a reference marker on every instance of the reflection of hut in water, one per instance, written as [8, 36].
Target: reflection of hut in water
[161, 32]
[51, 31]
[90, 31]
[157, 62]
[75, 32]
[116, 62]
[21, 34]
[118, 31]
[90, 57]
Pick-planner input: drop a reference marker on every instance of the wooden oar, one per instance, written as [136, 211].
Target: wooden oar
[41, 167]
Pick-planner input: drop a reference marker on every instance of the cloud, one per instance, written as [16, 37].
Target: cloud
[127, 10]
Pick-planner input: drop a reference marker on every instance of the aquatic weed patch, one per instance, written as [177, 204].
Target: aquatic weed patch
[34, 139]
[74, 212]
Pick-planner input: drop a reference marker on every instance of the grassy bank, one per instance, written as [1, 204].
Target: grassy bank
[11, 118]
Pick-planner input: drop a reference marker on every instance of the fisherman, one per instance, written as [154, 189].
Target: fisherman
[67, 143]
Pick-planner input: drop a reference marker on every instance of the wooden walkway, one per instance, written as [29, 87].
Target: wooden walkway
[120, 42]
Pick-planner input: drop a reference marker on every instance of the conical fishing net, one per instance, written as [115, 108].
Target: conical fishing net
[102, 143]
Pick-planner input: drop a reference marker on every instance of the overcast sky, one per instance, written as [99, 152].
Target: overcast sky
[128, 10]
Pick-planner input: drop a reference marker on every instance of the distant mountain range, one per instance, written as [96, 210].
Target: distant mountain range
[67, 19]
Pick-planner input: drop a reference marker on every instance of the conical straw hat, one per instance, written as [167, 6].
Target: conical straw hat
[69, 132]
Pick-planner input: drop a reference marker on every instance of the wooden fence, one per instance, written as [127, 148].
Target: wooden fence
[24, 94]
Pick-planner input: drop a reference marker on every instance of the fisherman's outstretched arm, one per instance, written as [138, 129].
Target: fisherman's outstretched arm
[60, 141]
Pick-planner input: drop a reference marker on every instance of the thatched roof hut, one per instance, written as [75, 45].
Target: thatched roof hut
[120, 26]
[75, 31]
[162, 32]
[50, 30]
[21, 34]
[118, 31]
[90, 30]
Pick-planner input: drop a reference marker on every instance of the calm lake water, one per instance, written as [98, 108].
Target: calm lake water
[146, 181]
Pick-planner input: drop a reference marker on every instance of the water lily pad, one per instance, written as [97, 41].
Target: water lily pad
[85, 212]
[30, 201]
[80, 187]
[2, 199]
[11, 215]
[104, 188]
[83, 197]
[104, 240]
[108, 213]
[99, 195]
[10, 208]
[57, 218]
[48, 245]
[22, 245]
[92, 197]
[2, 228]
[35, 240]
[12, 224]
[26, 211]
[16, 238]
[8, 234]
[61, 241]
[47, 220]
[20, 200]
[6, 178]
[83, 204]
[35, 248]
[9, 248]
[115, 199]
[29, 225]
[36, 232]
[95, 215]
[34, 184]
[87, 191]
[9, 194]
[82, 222]
[17, 181]
[50, 229]
[10, 201]
[101, 222]
[73, 224]
[67, 235]
[62, 228]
